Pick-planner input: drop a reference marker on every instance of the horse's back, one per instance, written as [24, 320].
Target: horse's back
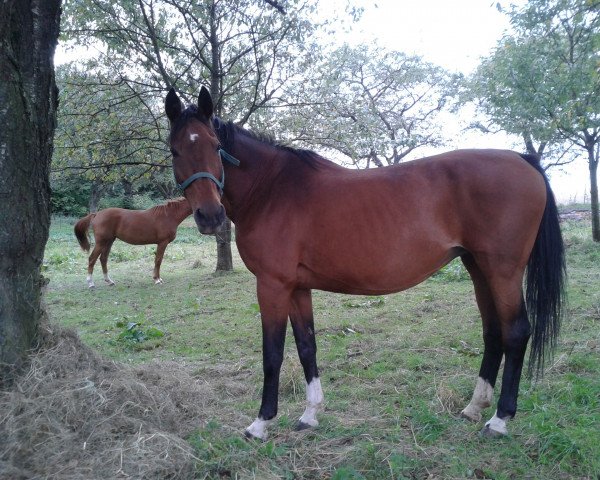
[136, 227]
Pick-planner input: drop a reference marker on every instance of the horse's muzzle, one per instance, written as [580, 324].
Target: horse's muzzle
[209, 222]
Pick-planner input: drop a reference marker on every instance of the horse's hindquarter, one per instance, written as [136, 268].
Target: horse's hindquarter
[385, 230]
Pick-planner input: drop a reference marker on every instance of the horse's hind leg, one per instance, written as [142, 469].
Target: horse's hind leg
[104, 263]
[492, 339]
[92, 261]
[160, 252]
[301, 317]
[506, 331]
[515, 335]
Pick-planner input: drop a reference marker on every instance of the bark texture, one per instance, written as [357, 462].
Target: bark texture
[28, 101]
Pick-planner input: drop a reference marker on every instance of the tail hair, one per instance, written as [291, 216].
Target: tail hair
[81, 228]
[545, 281]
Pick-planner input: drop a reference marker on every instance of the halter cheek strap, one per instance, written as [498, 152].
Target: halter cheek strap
[219, 183]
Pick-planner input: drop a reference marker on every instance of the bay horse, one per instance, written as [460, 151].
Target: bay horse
[137, 227]
[303, 222]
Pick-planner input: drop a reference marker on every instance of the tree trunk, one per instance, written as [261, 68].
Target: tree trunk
[127, 194]
[223, 237]
[95, 195]
[593, 166]
[224, 258]
[28, 101]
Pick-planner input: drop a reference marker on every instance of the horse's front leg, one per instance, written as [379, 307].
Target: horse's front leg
[160, 253]
[274, 305]
[301, 317]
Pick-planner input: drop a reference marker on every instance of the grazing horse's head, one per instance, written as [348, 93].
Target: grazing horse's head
[196, 160]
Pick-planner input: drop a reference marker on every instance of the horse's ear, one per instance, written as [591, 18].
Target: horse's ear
[173, 105]
[205, 103]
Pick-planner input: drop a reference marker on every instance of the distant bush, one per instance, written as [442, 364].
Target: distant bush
[70, 199]
[135, 202]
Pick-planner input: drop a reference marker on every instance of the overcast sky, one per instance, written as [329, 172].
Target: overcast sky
[451, 33]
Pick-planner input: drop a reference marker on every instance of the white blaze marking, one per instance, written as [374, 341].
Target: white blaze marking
[314, 399]
[193, 137]
[482, 398]
[258, 428]
[497, 425]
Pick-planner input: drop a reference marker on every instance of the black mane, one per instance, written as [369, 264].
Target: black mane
[227, 132]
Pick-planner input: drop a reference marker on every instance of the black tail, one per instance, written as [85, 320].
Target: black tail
[545, 281]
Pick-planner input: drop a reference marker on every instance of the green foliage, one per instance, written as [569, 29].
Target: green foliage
[103, 139]
[133, 335]
[455, 271]
[69, 198]
[346, 473]
[374, 106]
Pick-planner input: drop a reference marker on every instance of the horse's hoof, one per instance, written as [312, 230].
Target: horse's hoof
[488, 432]
[158, 281]
[249, 436]
[91, 286]
[303, 426]
[470, 416]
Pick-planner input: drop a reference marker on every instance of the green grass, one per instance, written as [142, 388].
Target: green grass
[396, 370]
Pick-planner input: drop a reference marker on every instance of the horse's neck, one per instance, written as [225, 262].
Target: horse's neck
[180, 210]
[173, 212]
[260, 163]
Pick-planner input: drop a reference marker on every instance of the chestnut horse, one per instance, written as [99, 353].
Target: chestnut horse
[303, 222]
[137, 227]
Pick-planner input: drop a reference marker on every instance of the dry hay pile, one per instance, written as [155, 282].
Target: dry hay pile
[76, 415]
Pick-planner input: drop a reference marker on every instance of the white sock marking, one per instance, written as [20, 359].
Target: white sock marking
[258, 428]
[90, 281]
[482, 398]
[497, 425]
[314, 399]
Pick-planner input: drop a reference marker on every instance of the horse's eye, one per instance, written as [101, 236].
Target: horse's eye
[174, 152]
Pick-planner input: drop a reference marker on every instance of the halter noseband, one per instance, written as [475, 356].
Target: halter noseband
[219, 183]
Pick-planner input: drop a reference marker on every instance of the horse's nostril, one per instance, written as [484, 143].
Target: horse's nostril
[209, 221]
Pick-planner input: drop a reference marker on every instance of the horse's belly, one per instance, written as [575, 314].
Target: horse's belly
[144, 238]
[378, 274]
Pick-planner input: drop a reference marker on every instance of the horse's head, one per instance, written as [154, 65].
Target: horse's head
[195, 149]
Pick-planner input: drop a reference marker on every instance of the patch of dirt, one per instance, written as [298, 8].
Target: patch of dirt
[578, 215]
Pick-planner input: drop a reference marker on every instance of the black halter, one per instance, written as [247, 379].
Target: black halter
[220, 183]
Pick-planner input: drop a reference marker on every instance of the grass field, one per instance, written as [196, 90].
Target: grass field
[396, 370]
